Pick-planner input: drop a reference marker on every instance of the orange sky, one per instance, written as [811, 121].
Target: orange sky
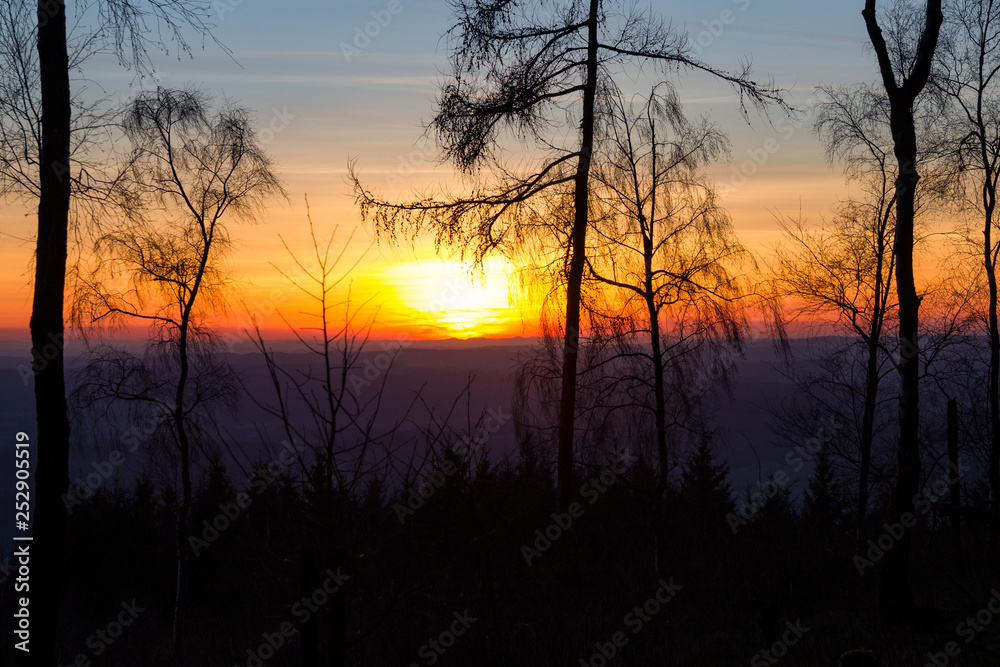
[415, 292]
[321, 109]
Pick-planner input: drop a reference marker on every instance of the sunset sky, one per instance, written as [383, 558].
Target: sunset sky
[320, 108]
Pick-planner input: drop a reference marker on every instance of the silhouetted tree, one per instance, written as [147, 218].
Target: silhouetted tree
[334, 445]
[52, 477]
[822, 508]
[523, 67]
[843, 272]
[127, 23]
[191, 172]
[903, 80]
[827, 410]
[92, 122]
[705, 495]
[846, 270]
[663, 286]
[968, 65]
[333, 411]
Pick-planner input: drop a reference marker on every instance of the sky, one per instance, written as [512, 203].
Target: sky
[325, 93]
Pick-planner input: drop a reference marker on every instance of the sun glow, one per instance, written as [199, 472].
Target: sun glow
[440, 298]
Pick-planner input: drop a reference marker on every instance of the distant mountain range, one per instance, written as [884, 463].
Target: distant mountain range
[439, 370]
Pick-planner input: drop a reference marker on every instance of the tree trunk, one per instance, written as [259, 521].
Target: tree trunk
[872, 377]
[335, 530]
[661, 449]
[659, 396]
[895, 591]
[52, 476]
[337, 621]
[577, 259]
[989, 201]
[895, 596]
[309, 580]
[184, 509]
[867, 435]
[180, 424]
[954, 491]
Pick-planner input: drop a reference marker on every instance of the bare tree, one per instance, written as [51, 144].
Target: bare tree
[664, 268]
[319, 407]
[333, 408]
[129, 22]
[903, 79]
[190, 174]
[968, 65]
[844, 270]
[523, 68]
[52, 477]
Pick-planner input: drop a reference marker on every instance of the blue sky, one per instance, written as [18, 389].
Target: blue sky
[320, 108]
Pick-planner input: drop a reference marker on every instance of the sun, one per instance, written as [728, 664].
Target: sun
[440, 298]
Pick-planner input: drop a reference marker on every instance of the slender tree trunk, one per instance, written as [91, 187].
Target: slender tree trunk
[577, 259]
[337, 622]
[954, 491]
[994, 379]
[986, 156]
[872, 377]
[184, 509]
[52, 476]
[335, 517]
[896, 595]
[309, 580]
[180, 424]
[867, 435]
[659, 396]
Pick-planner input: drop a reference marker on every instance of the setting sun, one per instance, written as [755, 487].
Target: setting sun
[437, 298]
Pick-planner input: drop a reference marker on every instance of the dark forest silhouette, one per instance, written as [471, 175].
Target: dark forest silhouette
[612, 533]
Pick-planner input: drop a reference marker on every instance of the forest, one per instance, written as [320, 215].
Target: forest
[204, 477]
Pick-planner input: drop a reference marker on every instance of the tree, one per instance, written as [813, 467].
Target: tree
[127, 22]
[705, 496]
[344, 443]
[520, 67]
[665, 294]
[52, 477]
[20, 114]
[190, 173]
[822, 508]
[903, 83]
[968, 64]
[847, 270]
[844, 271]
